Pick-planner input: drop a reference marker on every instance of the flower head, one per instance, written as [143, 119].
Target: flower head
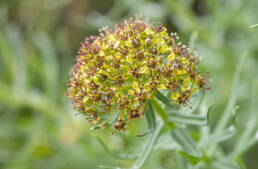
[119, 70]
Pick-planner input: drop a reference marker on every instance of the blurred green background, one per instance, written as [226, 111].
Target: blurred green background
[38, 44]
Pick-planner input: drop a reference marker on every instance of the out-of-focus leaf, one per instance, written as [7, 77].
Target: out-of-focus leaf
[234, 116]
[151, 120]
[166, 142]
[197, 104]
[250, 142]
[95, 127]
[161, 112]
[48, 53]
[19, 57]
[222, 123]
[192, 159]
[116, 154]
[188, 147]
[253, 26]
[164, 99]
[32, 99]
[250, 127]
[218, 137]
[240, 163]
[190, 119]
[6, 58]
[109, 167]
[113, 118]
[104, 121]
[192, 40]
[149, 146]
[225, 164]
[227, 114]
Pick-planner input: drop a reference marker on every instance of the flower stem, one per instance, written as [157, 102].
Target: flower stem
[149, 146]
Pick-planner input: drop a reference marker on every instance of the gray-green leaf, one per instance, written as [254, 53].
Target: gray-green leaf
[188, 147]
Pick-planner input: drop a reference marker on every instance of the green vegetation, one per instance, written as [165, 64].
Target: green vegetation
[39, 129]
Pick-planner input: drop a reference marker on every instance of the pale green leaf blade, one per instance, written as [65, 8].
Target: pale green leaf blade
[159, 109]
[166, 142]
[232, 100]
[164, 99]
[225, 163]
[149, 146]
[218, 137]
[151, 120]
[189, 119]
[116, 154]
[48, 54]
[187, 145]
[253, 26]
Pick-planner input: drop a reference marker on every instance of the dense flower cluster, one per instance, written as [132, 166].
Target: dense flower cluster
[118, 71]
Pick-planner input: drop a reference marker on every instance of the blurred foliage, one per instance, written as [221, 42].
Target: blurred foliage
[38, 44]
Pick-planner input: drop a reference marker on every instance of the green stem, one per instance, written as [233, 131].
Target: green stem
[227, 113]
[149, 146]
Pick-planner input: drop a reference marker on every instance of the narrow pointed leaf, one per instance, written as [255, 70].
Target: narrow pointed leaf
[164, 99]
[192, 159]
[193, 39]
[197, 104]
[218, 137]
[246, 146]
[240, 163]
[113, 118]
[162, 112]
[49, 57]
[149, 146]
[151, 120]
[116, 154]
[225, 163]
[166, 142]
[253, 26]
[188, 147]
[232, 100]
[95, 128]
[104, 122]
[159, 110]
[189, 119]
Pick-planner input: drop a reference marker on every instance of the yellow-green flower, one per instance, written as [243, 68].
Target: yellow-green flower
[119, 70]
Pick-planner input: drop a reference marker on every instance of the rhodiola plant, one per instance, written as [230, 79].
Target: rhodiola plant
[139, 70]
